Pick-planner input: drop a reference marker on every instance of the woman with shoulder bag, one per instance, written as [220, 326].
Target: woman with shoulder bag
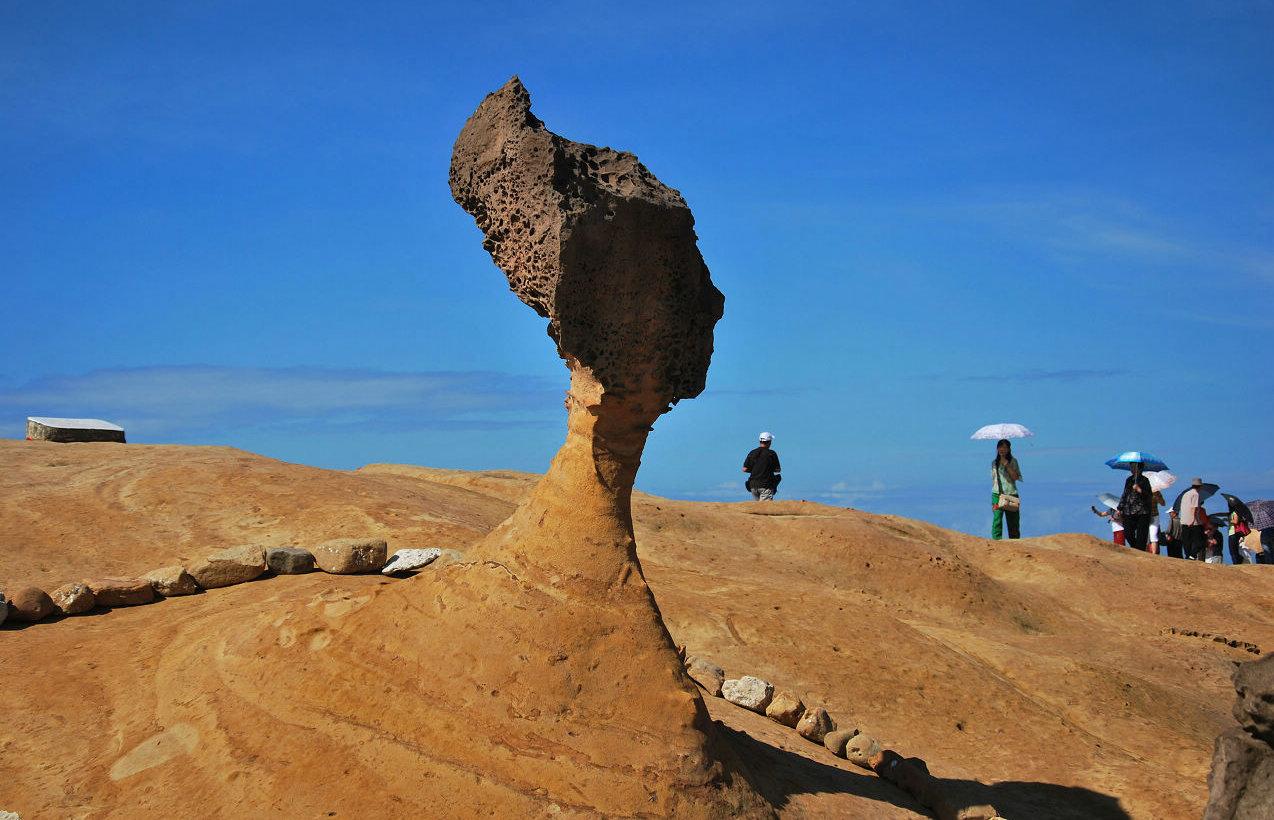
[1005, 503]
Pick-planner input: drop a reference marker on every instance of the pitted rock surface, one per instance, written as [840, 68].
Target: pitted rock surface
[590, 239]
[1254, 706]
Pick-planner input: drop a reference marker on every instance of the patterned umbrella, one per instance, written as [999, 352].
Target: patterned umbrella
[1161, 480]
[1262, 514]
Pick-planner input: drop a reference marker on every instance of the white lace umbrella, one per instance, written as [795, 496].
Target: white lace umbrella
[1161, 480]
[995, 432]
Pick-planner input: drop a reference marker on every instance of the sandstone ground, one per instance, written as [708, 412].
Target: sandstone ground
[1042, 676]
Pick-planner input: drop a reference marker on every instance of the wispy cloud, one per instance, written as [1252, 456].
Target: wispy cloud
[1073, 225]
[1025, 376]
[160, 402]
[852, 492]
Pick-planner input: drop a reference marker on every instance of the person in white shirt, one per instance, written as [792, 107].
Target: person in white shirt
[1192, 535]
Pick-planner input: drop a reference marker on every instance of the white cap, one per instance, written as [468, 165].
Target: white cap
[767, 437]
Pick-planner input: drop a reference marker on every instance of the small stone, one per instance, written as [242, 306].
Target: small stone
[409, 559]
[114, 592]
[227, 567]
[815, 724]
[350, 556]
[30, 604]
[172, 581]
[786, 708]
[289, 560]
[861, 749]
[983, 812]
[835, 741]
[748, 692]
[73, 598]
[706, 674]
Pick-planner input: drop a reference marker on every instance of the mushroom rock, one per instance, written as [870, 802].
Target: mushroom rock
[591, 240]
[534, 674]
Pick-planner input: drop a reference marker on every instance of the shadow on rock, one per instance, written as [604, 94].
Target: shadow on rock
[1045, 801]
[779, 774]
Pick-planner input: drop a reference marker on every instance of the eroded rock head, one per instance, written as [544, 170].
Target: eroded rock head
[590, 239]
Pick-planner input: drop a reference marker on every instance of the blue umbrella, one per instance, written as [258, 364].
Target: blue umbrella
[1147, 461]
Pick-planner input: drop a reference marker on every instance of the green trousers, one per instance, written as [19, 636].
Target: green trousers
[998, 517]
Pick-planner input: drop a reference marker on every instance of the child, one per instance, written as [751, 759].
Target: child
[1116, 524]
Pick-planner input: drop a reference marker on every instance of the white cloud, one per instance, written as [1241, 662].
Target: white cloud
[157, 401]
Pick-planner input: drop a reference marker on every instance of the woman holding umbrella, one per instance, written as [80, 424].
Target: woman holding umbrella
[1136, 505]
[1005, 473]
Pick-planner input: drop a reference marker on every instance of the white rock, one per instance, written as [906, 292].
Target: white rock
[748, 692]
[407, 560]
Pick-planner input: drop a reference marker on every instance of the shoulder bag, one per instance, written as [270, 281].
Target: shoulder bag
[1006, 503]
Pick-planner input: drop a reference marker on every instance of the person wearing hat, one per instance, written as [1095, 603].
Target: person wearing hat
[762, 467]
[1193, 517]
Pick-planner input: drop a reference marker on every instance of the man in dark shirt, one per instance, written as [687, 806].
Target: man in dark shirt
[762, 464]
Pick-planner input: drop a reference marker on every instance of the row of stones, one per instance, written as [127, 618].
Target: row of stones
[236, 565]
[814, 724]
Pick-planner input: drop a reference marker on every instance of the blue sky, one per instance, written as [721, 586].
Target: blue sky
[230, 224]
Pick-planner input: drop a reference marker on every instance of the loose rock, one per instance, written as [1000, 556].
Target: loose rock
[983, 812]
[706, 674]
[748, 692]
[786, 708]
[835, 741]
[73, 598]
[116, 592]
[235, 565]
[172, 581]
[350, 556]
[861, 749]
[289, 560]
[815, 724]
[4, 608]
[30, 604]
[409, 559]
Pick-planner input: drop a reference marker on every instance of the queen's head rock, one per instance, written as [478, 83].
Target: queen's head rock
[591, 240]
